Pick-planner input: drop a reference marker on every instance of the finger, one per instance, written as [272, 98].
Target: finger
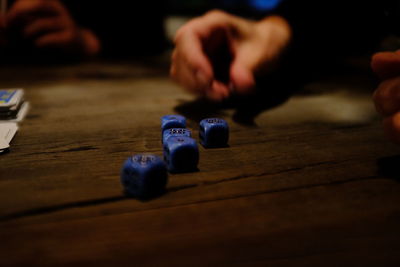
[193, 38]
[218, 91]
[391, 125]
[185, 77]
[190, 57]
[55, 40]
[387, 97]
[386, 64]
[43, 26]
[242, 76]
[23, 10]
[192, 42]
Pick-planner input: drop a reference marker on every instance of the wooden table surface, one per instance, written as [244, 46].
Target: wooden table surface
[312, 183]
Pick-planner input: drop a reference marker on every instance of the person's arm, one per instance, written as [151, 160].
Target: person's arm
[49, 25]
[250, 47]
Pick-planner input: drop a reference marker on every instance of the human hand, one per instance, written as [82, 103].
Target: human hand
[49, 25]
[387, 96]
[253, 48]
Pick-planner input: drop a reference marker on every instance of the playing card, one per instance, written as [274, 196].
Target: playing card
[7, 131]
[16, 116]
[10, 98]
[3, 145]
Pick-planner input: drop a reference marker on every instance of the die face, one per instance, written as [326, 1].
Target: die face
[216, 137]
[181, 154]
[210, 122]
[155, 183]
[144, 176]
[176, 132]
[131, 179]
[172, 121]
[214, 132]
[184, 159]
[144, 162]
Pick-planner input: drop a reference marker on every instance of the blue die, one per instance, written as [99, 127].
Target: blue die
[214, 132]
[177, 132]
[172, 121]
[181, 154]
[144, 176]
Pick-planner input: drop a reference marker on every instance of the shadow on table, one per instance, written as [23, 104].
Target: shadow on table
[70, 205]
[88, 203]
[389, 167]
[277, 87]
[246, 108]
[60, 207]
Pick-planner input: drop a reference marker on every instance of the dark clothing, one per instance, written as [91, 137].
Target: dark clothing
[325, 32]
[325, 35]
[124, 27]
[337, 27]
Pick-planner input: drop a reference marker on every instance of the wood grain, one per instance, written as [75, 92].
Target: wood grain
[312, 183]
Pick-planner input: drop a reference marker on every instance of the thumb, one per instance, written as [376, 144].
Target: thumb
[241, 77]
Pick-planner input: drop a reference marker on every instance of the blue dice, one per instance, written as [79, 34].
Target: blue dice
[144, 176]
[214, 132]
[181, 154]
[172, 121]
[176, 132]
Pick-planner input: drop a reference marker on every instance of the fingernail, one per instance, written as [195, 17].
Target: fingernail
[202, 79]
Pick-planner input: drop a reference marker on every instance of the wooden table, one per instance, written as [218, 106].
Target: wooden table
[312, 183]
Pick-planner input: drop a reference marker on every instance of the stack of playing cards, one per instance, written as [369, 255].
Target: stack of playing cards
[13, 109]
[7, 132]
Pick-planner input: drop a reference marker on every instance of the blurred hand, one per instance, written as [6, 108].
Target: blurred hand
[251, 48]
[48, 24]
[387, 97]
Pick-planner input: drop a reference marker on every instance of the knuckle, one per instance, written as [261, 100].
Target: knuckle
[49, 4]
[39, 4]
[216, 13]
[185, 29]
[178, 34]
[34, 5]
